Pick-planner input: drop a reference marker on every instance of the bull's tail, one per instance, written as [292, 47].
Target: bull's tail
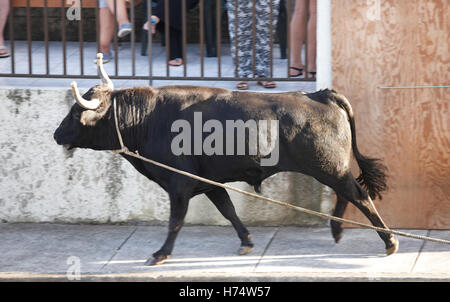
[373, 171]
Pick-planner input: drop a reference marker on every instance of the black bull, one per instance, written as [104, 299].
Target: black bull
[316, 138]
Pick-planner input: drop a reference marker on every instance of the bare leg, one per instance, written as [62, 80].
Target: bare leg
[297, 35]
[312, 35]
[4, 10]
[106, 29]
[122, 16]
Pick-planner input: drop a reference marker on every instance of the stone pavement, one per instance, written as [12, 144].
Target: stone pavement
[57, 252]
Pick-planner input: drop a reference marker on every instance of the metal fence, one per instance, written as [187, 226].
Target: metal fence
[137, 67]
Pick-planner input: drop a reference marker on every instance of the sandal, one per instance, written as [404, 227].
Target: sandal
[311, 74]
[300, 72]
[242, 85]
[176, 62]
[4, 54]
[267, 84]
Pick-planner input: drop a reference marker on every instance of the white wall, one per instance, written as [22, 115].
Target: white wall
[324, 76]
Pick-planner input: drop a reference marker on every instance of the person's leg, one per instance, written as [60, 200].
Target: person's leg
[176, 47]
[106, 29]
[297, 37]
[262, 42]
[122, 15]
[157, 13]
[240, 36]
[4, 10]
[312, 37]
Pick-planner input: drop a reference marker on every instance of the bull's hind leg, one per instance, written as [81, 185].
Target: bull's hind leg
[349, 189]
[222, 201]
[336, 227]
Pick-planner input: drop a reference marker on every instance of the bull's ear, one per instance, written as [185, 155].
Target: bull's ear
[90, 117]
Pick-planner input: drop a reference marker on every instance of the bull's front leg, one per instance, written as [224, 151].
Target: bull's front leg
[178, 208]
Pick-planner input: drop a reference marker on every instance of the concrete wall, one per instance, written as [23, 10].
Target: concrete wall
[42, 182]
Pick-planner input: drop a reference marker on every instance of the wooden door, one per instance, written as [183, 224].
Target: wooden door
[394, 43]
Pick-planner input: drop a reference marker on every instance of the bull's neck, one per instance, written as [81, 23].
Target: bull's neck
[131, 119]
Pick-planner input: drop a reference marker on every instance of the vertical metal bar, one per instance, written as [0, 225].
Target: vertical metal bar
[183, 30]
[30, 65]
[116, 52]
[63, 36]
[133, 40]
[47, 71]
[202, 39]
[254, 38]
[218, 36]
[11, 36]
[307, 16]
[149, 42]
[288, 32]
[167, 35]
[271, 39]
[236, 38]
[80, 37]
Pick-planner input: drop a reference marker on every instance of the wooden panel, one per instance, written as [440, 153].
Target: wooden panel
[399, 43]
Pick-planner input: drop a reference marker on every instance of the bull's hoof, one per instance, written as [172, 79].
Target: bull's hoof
[394, 248]
[157, 260]
[244, 250]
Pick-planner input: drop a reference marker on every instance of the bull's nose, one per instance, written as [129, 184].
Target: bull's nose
[55, 136]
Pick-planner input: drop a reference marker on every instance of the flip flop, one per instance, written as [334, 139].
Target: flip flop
[312, 74]
[300, 72]
[176, 62]
[267, 84]
[242, 85]
[5, 54]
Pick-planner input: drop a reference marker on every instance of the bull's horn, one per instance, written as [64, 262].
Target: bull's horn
[90, 105]
[103, 74]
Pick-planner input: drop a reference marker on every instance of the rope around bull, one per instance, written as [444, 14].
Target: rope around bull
[123, 149]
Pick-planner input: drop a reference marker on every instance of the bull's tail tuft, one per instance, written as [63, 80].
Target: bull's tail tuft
[373, 175]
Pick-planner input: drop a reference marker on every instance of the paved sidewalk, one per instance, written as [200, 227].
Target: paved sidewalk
[46, 252]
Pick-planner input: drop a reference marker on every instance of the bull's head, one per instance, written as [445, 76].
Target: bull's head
[86, 126]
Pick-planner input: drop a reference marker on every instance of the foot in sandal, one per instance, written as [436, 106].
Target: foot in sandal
[176, 62]
[3, 52]
[267, 84]
[242, 85]
[295, 72]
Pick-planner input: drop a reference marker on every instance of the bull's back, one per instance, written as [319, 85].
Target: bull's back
[311, 127]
